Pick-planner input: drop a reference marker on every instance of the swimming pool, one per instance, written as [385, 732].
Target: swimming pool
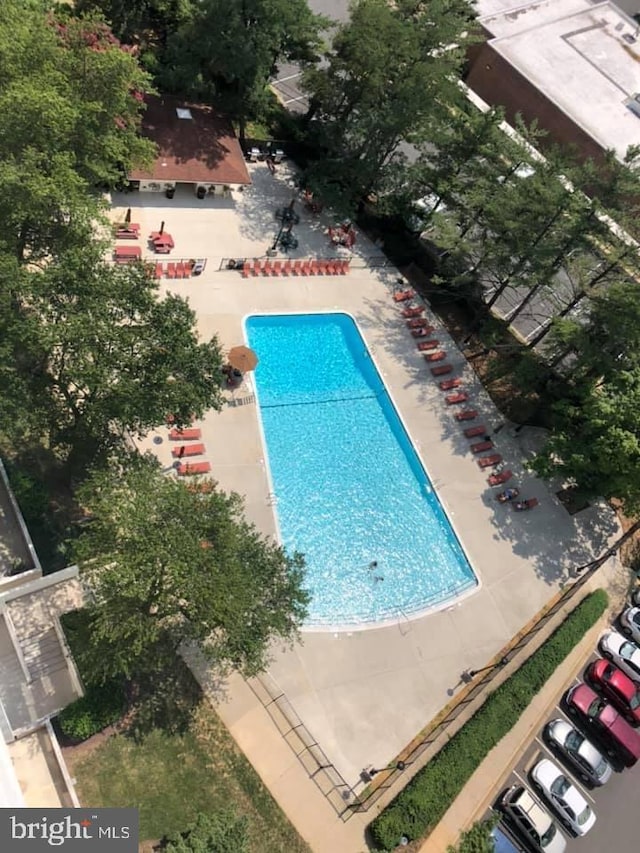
[350, 490]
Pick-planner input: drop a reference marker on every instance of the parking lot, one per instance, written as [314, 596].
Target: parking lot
[614, 803]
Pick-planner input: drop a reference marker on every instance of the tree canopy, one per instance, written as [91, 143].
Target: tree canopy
[595, 439]
[171, 564]
[390, 77]
[226, 51]
[92, 352]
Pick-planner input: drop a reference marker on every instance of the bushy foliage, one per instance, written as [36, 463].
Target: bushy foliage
[101, 706]
[419, 807]
[224, 832]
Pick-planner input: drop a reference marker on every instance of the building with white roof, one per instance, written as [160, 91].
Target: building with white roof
[572, 65]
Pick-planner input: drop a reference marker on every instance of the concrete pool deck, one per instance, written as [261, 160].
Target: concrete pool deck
[364, 695]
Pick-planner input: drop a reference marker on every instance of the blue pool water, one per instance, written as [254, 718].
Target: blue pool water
[349, 486]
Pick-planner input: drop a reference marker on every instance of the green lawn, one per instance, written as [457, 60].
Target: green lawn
[171, 777]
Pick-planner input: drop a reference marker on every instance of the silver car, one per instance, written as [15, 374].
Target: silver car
[574, 749]
[630, 623]
[563, 796]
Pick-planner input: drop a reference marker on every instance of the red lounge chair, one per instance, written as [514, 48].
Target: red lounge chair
[305, 267]
[422, 333]
[499, 479]
[454, 399]
[425, 346]
[440, 355]
[481, 446]
[171, 270]
[472, 432]
[256, 267]
[203, 488]
[466, 415]
[277, 268]
[321, 268]
[246, 269]
[296, 268]
[416, 311]
[186, 269]
[184, 434]
[450, 384]
[403, 295]
[286, 268]
[158, 271]
[489, 461]
[441, 370]
[266, 268]
[180, 270]
[417, 323]
[187, 469]
[187, 450]
[344, 267]
[313, 268]
[331, 267]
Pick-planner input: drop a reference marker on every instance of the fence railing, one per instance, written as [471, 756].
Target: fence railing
[309, 753]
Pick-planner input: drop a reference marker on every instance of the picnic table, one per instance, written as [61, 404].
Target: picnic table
[126, 254]
[162, 237]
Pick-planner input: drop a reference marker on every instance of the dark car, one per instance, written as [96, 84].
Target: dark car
[584, 703]
[617, 687]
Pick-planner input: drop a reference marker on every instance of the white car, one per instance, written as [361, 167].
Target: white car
[574, 811]
[630, 622]
[622, 652]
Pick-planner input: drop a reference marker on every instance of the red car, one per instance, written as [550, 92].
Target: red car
[584, 702]
[617, 687]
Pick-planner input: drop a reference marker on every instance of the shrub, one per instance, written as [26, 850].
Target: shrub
[100, 707]
[419, 807]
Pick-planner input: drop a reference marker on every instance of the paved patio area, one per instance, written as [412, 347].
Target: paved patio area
[363, 695]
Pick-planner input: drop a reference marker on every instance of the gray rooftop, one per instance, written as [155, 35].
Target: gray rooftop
[584, 57]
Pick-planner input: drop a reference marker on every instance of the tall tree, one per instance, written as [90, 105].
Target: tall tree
[92, 349]
[71, 103]
[595, 439]
[169, 564]
[227, 51]
[391, 73]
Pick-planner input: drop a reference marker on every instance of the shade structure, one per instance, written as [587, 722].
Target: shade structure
[242, 358]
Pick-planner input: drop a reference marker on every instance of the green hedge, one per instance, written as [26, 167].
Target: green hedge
[101, 706]
[418, 808]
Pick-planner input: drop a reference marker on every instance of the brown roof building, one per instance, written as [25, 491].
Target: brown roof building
[195, 145]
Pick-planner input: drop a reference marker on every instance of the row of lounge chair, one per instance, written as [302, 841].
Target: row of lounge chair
[179, 269]
[421, 328]
[187, 469]
[312, 266]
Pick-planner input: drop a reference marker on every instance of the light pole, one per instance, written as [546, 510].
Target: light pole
[399, 765]
[469, 674]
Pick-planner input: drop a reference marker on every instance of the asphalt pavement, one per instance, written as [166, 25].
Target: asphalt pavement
[616, 827]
